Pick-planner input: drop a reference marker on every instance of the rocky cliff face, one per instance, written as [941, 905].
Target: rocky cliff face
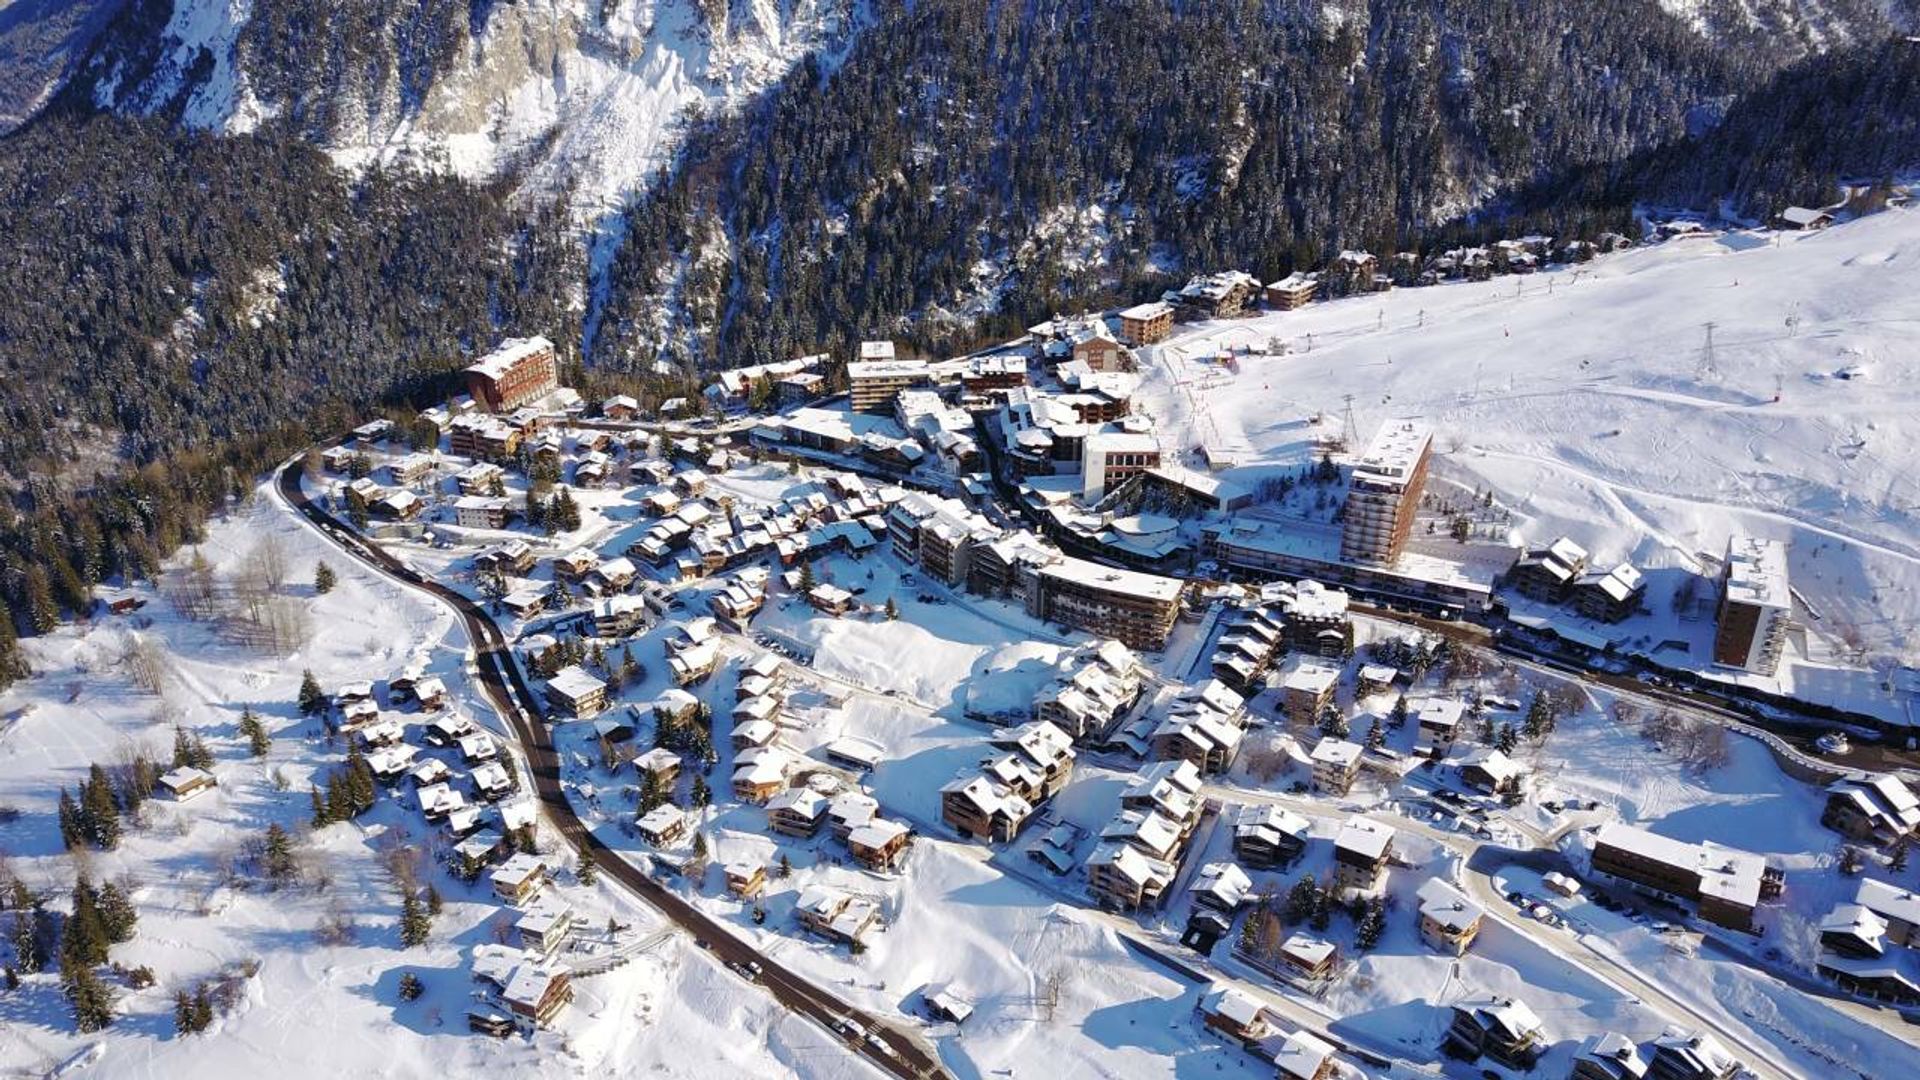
[590, 94]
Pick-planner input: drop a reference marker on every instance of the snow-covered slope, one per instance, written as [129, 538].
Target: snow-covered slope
[1590, 401]
[591, 93]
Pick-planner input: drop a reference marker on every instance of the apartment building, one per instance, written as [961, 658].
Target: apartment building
[1756, 605]
[1296, 290]
[875, 380]
[1724, 884]
[1147, 324]
[1361, 852]
[1111, 458]
[521, 371]
[1138, 609]
[1383, 492]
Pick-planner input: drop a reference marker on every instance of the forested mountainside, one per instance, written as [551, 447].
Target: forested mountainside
[976, 157]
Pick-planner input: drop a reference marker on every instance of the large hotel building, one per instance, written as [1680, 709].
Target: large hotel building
[519, 372]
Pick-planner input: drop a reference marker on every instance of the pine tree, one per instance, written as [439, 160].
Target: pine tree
[1302, 899]
[1376, 734]
[1897, 858]
[1507, 740]
[1333, 722]
[72, 829]
[183, 1019]
[99, 814]
[91, 998]
[256, 733]
[29, 948]
[202, 1008]
[588, 872]
[806, 578]
[323, 579]
[312, 701]
[182, 748]
[320, 818]
[1398, 717]
[434, 900]
[1372, 925]
[411, 987]
[137, 785]
[276, 858]
[117, 914]
[10, 978]
[701, 793]
[414, 921]
[12, 665]
[1539, 717]
[893, 610]
[1487, 733]
[786, 866]
[83, 941]
[1322, 910]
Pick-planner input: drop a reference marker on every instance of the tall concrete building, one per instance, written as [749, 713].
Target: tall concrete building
[1384, 492]
[1755, 605]
[877, 378]
[519, 372]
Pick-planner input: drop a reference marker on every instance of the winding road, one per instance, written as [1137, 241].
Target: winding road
[886, 1045]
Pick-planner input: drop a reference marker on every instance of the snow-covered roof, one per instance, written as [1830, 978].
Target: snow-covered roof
[508, 353]
[1365, 837]
[1395, 451]
[1757, 572]
[1448, 906]
[1338, 753]
[575, 682]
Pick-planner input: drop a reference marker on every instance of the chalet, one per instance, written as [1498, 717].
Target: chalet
[1801, 219]
[1269, 837]
[830, 599]
[1679, 1054]
[1222, 886]
[1122, 877]
[514, 557]
[835, 914]
[662, 826]
[430, 694]
[479, 478]
[437, 801]
[1169, 788]
[430, 772]
[760, 773]
[524, 604]
[879, 844]
[675, 706]
[745, 880]
[1449, 921]
[620, 407]
[575, 692]
[391, 763]
[519, 879]
[1488, 770]
[1301, 1055]
[1877, 810]
[612, 576]
[1335, 764]
[1223, 295]
[1501, 1028]
[1309, 959]
[477, 746]
[187, 782]
[575, 565]
[849, 810]
[1361, 852]
[544, 926]
[1233, 1013]
[618, 616]
[659, 763]
[1372, 679]
[797, 812]
[692, 665]
[492, 782]
[977, 807]
[448, 730]
[945, 1005]
[1608, 1056]
[537, 994]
